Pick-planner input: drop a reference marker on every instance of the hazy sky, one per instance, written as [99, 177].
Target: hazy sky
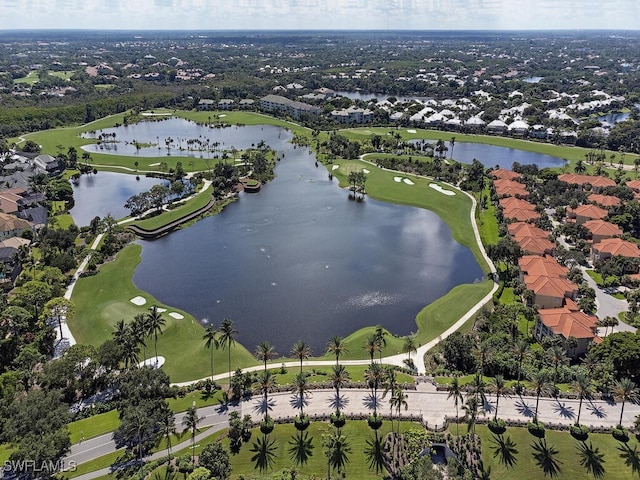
[321, 14]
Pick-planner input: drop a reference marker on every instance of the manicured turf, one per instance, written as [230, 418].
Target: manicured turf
[597, 277]
[568, 459]
[95, 464]
[94, 426]
[102, 300]
[356, 373]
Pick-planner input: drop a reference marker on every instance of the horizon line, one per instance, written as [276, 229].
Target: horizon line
[52, 29]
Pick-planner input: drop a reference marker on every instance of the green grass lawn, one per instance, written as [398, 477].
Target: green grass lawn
[568, 459]
[321, 374]
[95, 464]
[488, 223]
[597, 277]
[5, 452]
[103, 299]
[94, 426]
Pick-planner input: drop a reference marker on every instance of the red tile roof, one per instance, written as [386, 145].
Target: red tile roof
[550, 286]
[604, 200]
[633, 184]
[602, 228]
[537, 246]
[594, 180]
[589, 211]
[521, 215]
[562, 321]
[503, 173]
[510, 202]
[535, 265]
[617, 247]
[523, 229]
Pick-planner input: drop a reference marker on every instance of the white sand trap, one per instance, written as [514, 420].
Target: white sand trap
[441, 190]
[154, 164]
[335, 167]
[161, 310]
[153, 362]
[138, 301]
[364, 170]
[176, 315]
[149, 114]
[408, 182]
[397, 179]
[411, 131]
[223, 115]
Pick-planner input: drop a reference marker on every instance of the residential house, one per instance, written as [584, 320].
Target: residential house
[12, 226]
[600, 229]
[206, 104]
[536, 245]
[511, 202]
[353, 115]
[277, 103]
[523, 229]
[520, 215]
[246, 103]
[587, 212]
[550, 292]
[504, 174]
[536, 266]
[605, 201]
[47, 163]
[496, 126]
[615, 247]
[597, 182]
[226, 104]
[510, 188]
[565, 323]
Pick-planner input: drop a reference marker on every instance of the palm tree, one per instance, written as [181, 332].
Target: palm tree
[380, 334]
[372, 345]
[390, 382]
[190, 423]
[521, 352]
[338, 449]
[456, 392]
[227, 338]
[398, 400]
[471, 413]
[582, 386]
[130, 351]
[167, 425]
[483, 353]
[264, 453]
[624, 390]
[374, 452]
[139, 330]
[265, 352]
[266, 381]
[155, 322]
[544, 456]
[505, 449]
[579, 167]
[452, 143]
[302, 351]
[409, 345]
[338, 377]
[301, 388]
[540, 383]
[337, 347]
[301, 448]
[211, 342]
[499, 389]
[478, 390]
[556, 355]
[374, 375]
[591, 459]
[631, 457]
[122, 331]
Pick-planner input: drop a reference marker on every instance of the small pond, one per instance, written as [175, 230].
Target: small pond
[532, 79]
[105, 193]
[492, 155]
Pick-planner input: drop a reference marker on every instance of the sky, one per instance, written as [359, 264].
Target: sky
[320, 14]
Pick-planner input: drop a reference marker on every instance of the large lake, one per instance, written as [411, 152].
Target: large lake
[300, 261]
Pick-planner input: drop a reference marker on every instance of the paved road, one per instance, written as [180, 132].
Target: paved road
[425, 402]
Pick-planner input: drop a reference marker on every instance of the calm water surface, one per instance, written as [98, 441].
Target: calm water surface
[300, 261]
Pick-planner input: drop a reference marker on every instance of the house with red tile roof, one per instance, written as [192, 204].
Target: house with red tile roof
[536, 245]
[605, 201]
[614, 247]
[565, 323]
[520, 215]
[523, 229]
[597, 182]
[504, 174]
[550, 292]
[634, 185]
[600, 229]
[509, 188]
[535, 265]
[587, 212]
[511, 203]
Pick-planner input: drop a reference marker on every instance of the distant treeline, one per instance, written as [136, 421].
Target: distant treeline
[15, 121]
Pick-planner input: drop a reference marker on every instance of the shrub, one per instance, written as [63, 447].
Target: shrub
[579, 432]
[620, 434]
[374, 421]
[301, 422]
[266, 425]
[338, 419]
[536, 429]
[498, 426]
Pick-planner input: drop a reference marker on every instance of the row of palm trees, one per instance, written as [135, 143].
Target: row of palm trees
[130, 336]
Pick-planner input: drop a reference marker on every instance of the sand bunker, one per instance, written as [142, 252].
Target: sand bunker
[153, 362]
[138, 301]
[441, 190]
[154, 164]
[176, 315]
[223, 115]
[160, 310]
[411, 131]
[397, 179]
[335, 167]
[408, 182]
[364, 170]
[150, 114]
